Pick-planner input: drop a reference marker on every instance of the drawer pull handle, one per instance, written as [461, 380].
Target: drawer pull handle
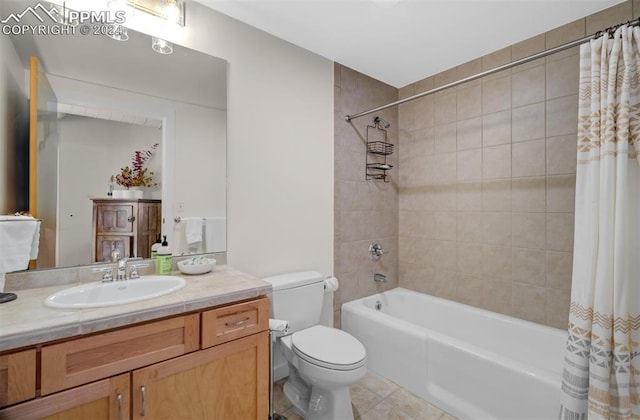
[143, 411]
[119, 398]
[235, 324]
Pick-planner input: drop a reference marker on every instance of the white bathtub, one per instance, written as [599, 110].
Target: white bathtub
[472, 363]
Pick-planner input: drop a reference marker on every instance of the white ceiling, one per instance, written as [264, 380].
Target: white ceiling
[402, 41]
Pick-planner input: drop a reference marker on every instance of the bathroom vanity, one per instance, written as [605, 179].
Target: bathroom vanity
[201, 352]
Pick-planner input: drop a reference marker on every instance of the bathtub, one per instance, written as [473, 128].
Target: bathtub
[474, 364]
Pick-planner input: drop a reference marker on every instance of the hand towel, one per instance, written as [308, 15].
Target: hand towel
[215, 234]
[19, 238]
[193, 230]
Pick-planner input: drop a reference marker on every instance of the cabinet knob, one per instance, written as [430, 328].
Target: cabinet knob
[131, 219]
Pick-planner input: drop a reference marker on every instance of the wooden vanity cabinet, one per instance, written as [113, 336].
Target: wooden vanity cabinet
[156, 370]
[131, 225]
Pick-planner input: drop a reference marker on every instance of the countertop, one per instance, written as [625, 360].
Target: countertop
[27, 321]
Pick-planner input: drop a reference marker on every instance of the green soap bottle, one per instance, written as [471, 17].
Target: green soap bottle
[164, 262]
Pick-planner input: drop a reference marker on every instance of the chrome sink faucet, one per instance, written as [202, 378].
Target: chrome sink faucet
[122, 269]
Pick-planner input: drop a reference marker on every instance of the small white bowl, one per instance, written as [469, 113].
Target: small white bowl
[196, 265]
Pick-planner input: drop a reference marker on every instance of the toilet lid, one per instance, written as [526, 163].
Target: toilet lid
[329, 347]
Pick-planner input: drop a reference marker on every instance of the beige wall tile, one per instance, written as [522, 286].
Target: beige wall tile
[528, 47]
[445, 255]
[561, 190]
[558, 308]
[469, 102]
[528, 122]
[424, 143]
[562, 116]
[562, 77]
[560, 232]
[496, 128]
[608, 17]
[528, 158]
[469, 290]
[424, 85]
[470, 68]
[496, 296]
[561, 155]
[445, 108]
[566, 33]
[559, 268]
[496, 263]
[496, 162]
[445, 168]
[405, 91]
[469, 227]
[496, 195]
[496, 228]
[470, 165]
[528, 194]
[529, 230]
[445, 226]
[445, 77]
[528, 86]
[636, 9]
[423, 113]
[496, 95]
[469, 134]
[445, 135]
[529, 266]
[496, 59]
[529, 302]
[469, 196]
[470, 259]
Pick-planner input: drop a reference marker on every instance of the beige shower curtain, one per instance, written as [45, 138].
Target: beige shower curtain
[602, 360]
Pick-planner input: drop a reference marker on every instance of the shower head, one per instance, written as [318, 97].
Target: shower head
[380, 120]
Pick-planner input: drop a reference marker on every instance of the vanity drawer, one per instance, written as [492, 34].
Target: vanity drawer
[87, 359]
[17, 377]
[234, 321]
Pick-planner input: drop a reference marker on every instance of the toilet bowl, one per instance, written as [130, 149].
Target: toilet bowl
[323, 362]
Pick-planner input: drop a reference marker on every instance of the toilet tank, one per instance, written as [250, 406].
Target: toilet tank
[297, 298]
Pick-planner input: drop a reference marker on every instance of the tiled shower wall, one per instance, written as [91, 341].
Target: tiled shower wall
[483, 181]
[365, 211]
[487, 179]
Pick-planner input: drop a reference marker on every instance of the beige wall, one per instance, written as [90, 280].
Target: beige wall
[485, 183]
[365, 211]
[280, 145]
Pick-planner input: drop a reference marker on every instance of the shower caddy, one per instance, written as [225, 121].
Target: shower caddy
[378, 148]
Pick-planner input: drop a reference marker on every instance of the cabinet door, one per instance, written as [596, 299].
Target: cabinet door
[108, 399]
[148, 226]
[17, 377]
[115, 218]
[104, 244]
[229, 381]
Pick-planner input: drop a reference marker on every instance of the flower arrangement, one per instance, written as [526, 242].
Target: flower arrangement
[137, 175]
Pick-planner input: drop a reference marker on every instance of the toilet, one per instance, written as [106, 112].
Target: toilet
[323, 362]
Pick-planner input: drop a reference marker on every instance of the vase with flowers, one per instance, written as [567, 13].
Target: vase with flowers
[134, 178]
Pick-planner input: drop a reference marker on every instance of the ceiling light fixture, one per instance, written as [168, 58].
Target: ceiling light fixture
[161, 46]
[170, 10]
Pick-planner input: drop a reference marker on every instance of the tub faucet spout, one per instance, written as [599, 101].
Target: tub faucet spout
[380, 277]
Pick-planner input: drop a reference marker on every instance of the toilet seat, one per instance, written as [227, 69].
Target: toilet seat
[329, 348]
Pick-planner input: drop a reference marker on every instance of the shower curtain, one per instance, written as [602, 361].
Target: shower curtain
[602, 359]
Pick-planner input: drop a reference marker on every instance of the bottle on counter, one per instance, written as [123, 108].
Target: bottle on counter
[156, 246]
[164, 261]
[115, 253]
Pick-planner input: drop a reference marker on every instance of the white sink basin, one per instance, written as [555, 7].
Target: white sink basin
[93, 295]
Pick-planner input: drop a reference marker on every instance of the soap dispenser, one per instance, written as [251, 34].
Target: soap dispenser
[164, 262]
[156, 246]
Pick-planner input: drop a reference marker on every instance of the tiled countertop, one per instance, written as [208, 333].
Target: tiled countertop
[27, 321]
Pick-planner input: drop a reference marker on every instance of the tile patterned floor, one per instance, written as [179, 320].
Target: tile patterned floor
[374, 398]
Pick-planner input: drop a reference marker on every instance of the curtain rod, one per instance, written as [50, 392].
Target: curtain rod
[532, 57]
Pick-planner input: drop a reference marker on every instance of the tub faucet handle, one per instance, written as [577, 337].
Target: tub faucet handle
[375, 251]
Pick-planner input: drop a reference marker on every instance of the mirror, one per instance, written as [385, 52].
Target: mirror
[115, 98]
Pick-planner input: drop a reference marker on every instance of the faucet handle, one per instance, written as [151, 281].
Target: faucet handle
[134, 270]
[107, 275]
